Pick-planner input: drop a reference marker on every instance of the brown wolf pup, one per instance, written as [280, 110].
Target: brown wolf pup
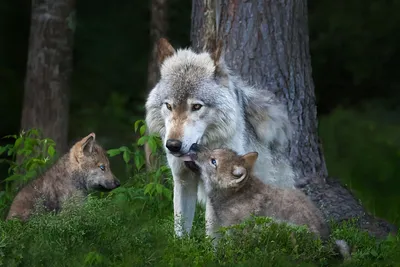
[236, 193]
[84, 168]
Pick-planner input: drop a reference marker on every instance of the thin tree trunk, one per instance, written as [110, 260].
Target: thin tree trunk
[49, 67]
[158, 29]
[267, 43]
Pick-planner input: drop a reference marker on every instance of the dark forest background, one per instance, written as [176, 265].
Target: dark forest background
[354, 51]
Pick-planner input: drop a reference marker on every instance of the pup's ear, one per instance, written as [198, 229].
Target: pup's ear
[164, 50]
[86, 144]
[250, 159]
[82, 147]
[240, 173]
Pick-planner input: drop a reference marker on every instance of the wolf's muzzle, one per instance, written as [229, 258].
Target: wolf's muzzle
[174, 145]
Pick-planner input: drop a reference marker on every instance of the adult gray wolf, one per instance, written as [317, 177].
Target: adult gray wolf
[199, 100]
[236, 194]
[85, 167]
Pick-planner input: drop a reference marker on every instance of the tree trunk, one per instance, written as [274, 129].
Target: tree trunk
[49, 67]
[266, 42]
[158, 29]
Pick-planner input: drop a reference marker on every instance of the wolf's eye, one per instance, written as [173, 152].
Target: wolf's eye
[102, 167]
[214, 162]
[168, 106]
[196, 107]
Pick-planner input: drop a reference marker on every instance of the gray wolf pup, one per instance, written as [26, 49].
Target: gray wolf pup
[85, 167]
[199, 100]
[235, 192]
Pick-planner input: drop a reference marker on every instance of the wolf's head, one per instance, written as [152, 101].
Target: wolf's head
[222, 168]
[92, 165]
[191, 103]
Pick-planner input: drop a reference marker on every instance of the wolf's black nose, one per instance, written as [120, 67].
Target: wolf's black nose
[117, 183]
[174, 145]
[194, 147]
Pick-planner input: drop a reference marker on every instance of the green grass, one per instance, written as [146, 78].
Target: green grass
[129, 228]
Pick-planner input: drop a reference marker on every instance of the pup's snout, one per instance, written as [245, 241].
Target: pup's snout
[174, 145]
[117, 183]
[194, 147]
[192, 155]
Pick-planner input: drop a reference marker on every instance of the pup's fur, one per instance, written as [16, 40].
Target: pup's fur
[235, 193]
[198, 100]
[73, 175]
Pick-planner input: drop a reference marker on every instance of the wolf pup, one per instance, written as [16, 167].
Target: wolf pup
[85, 167]
[236, 193]
[199, 100]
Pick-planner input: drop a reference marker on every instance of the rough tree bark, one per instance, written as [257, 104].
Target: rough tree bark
[49, 66]
[266, 42]
[158, 29]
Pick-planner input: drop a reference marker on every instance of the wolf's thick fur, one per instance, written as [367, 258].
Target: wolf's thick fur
[198, 100]
[83, 168]
[236, 194]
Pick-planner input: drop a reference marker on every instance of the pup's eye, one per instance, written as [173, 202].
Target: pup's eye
[196, 107]
[168, 106]
[214, 162]
[102, 167]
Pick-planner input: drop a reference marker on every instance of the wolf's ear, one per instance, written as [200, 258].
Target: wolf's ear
[164, 50]
[87, 143]
[221, 72]
[216, 54]
[240, 173]
[250, 159]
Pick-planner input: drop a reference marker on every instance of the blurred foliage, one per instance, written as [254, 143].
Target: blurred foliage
[354, 51]
[362, 149]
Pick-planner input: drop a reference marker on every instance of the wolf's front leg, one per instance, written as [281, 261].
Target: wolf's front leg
[211, 223]
[185, 196]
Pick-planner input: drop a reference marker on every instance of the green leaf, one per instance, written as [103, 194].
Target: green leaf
[51, 151]
[139, 161]
[18, 142]
[142, 140]
[124, 148]
[374, 253]
[158, 173]
[167, 193]
[114, 152]
[3, 149]
[149, 189]
[137, 123]
[142, 129]
[10, 152]
[11, 136]
[152, 144]
[159, 188]
[13, 177]
[126, 156]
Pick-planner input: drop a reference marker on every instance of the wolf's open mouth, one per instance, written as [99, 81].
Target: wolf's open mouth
[192, 166]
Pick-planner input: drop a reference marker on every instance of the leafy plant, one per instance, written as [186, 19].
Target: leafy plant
[26, 157]
[160, 179]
